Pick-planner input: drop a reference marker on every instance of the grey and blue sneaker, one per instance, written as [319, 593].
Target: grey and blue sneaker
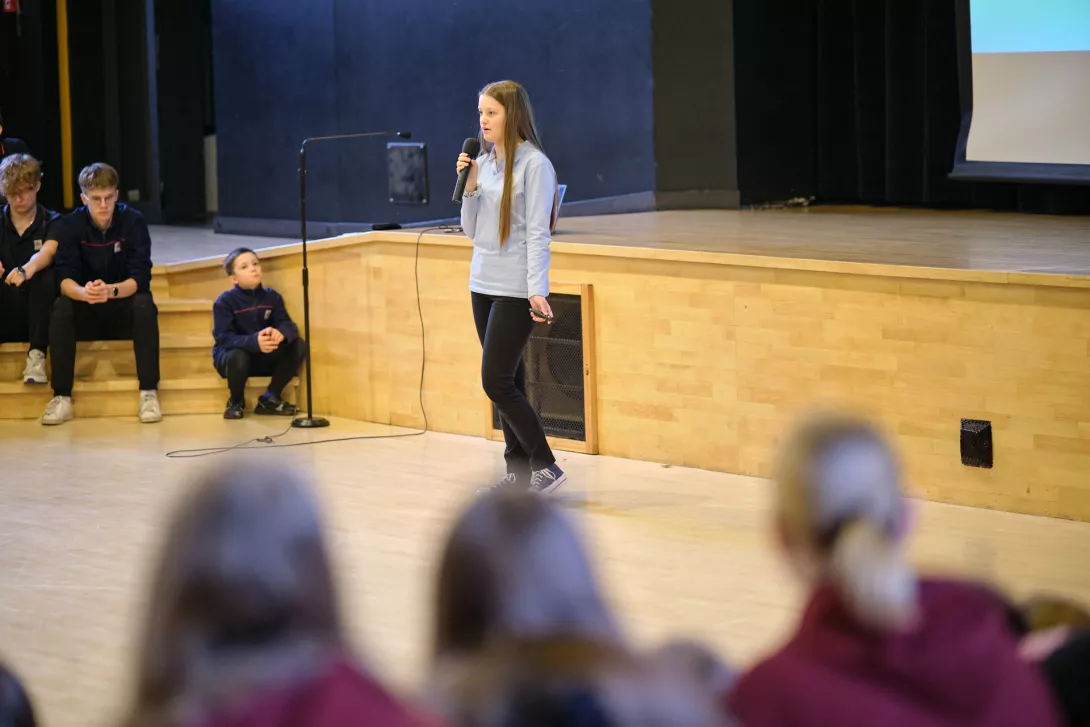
[548, 479]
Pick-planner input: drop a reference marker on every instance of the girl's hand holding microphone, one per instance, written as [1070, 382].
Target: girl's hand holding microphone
[463, 162]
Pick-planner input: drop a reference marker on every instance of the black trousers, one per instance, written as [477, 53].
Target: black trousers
[281, 364]
[504, 326]
[24, 310]
[1068, 673]
[135, 318]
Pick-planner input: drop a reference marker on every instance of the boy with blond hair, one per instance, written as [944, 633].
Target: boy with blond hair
[27, 246]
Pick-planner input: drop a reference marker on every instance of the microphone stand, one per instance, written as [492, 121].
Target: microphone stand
[310, 421]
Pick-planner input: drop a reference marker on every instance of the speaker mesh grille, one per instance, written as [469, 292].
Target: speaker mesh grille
[554, 371]
[976, 443]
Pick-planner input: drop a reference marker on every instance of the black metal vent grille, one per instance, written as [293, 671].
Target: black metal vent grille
[976, 443]
[554, 371]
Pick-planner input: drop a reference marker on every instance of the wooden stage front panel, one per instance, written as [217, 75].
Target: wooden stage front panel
[704, 358]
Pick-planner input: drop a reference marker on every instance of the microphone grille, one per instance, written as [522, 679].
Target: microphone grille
[471, 146]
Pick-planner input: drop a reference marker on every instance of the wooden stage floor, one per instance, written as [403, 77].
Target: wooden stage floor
[682, 550]
[919, 238]
[957, 240]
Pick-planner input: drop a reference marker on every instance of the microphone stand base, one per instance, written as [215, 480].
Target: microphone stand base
[310, 423]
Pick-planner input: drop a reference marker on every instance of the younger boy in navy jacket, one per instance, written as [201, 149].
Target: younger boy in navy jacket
[255, 336]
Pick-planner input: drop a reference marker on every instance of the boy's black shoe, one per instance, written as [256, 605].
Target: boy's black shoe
[234, 410]
[274, 406]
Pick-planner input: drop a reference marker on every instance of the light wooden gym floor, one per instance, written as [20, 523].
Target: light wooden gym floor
[82, 509]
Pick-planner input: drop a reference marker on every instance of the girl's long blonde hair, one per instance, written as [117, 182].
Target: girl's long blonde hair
[519, 127]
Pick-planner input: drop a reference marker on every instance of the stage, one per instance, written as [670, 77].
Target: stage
[895, 237]
[710, 331]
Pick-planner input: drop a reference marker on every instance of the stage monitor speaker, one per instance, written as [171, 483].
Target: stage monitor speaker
[407, 172]
[976, 443]
[559, 360]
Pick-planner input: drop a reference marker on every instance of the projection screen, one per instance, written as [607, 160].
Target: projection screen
[1027, 96]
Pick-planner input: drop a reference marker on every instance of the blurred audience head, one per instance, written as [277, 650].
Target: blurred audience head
[16, 709]
[699, 661]
[243, 596]
[575, 682]
[843, 518]
[1048, 611]
[513, 565]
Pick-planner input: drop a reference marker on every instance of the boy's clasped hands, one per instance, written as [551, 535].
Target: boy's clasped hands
[269, 339]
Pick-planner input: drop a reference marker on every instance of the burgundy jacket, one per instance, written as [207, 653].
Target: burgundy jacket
[343, 697]
[960, 667]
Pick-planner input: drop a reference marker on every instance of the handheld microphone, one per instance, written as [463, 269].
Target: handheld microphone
[472, 147]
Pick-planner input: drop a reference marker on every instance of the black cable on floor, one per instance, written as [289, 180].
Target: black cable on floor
[269, 441]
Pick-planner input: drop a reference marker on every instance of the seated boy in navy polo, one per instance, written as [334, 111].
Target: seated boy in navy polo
[255, 336]
[103, 264]
[27, 246]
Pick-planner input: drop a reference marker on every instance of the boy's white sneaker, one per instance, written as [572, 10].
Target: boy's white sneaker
[58, 410]
[149, 407]
[34, 373]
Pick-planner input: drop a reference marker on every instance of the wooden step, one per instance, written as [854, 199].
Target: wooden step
[185, 341]
[176, 317]
[187, 317]
[12, 360]
[180, 356]
[117, 397]
[160, 284]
